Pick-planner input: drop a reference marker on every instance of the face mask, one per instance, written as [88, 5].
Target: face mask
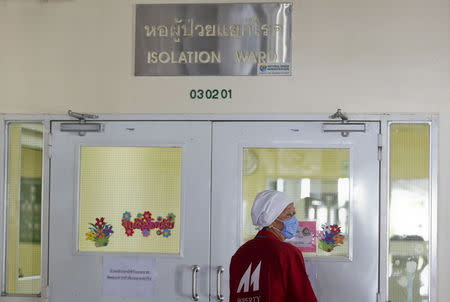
[290, 227]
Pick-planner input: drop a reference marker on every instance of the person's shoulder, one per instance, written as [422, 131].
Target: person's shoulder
[246, 246]
[261, 246]
[289, 249]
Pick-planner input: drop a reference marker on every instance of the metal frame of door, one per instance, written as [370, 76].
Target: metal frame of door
[384, 119]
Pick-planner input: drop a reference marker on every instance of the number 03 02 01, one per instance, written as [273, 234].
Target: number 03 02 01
[210, 94]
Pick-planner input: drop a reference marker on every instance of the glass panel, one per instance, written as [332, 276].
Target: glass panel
[23, 206]
[137, 192]
[409, 213]
[317, 180]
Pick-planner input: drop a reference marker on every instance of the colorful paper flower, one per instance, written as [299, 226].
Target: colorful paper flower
[100, 222]
[99, 232]
[330, 237]
[339, 239]
[108, 230]
[126, 216]
[144, 222]
[138, 221]
[335, 229]
[129, 232]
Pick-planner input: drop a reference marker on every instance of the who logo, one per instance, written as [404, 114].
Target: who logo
[250, 278]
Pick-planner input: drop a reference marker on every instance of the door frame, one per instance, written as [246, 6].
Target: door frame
[384, 119]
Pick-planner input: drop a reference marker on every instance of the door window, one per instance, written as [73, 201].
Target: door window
[318, 182]
[130, 199]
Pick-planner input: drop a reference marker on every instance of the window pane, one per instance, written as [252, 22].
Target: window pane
[409, 213]
[137, 192]
[23, 206]
[317, 180]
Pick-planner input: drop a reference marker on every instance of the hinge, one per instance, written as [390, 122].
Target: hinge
[380, 147]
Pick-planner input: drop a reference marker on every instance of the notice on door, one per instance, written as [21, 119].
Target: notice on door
[128, 276]
[305, 239]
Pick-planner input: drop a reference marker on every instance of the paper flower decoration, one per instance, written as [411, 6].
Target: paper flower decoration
[100, 232]
[145, 222]
[330, 237]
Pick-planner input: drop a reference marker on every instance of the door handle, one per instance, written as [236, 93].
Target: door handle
[195, 270]
[220, 271]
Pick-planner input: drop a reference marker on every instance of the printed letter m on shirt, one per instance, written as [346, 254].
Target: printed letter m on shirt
[248, 280]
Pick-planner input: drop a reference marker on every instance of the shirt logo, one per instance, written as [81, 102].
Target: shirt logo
[248, 280]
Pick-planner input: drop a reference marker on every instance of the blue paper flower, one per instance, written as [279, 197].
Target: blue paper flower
[126, 216]
[108, 230]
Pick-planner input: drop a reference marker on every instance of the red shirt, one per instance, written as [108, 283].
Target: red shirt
[266, 269]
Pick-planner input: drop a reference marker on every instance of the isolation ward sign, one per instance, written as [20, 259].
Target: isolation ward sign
[213, 39]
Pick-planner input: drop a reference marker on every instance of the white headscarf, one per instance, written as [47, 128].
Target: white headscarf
[267, 207]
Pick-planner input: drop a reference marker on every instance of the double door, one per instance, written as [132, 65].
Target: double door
[178, 195]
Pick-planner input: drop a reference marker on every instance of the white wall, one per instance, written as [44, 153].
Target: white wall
[359, 55]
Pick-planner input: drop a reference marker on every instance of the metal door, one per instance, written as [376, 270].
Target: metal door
[333, 177]
[105, 174]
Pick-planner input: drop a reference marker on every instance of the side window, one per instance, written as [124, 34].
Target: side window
[22, 271]
[409, 208]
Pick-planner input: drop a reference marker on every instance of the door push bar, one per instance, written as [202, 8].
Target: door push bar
[195, 270]
[220, 271]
